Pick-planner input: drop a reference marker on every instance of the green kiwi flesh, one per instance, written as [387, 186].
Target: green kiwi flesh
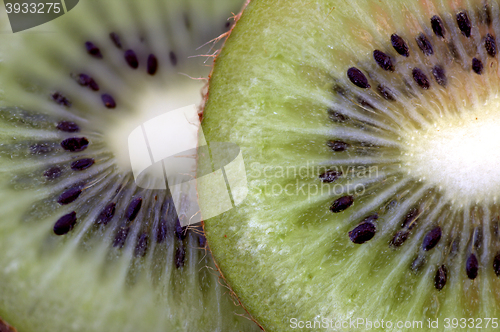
[369, 131]
[82, 247]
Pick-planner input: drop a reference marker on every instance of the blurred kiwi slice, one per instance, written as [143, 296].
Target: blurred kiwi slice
[83, 247]
[369, 131]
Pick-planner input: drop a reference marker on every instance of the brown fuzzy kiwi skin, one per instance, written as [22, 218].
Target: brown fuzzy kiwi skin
[222, 279]
[225, 284]
[4, 327]
[222, 37]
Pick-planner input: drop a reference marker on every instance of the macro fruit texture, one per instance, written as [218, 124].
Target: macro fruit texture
[83, 247]
[370, 135]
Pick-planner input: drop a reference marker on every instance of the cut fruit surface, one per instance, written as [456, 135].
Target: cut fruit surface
[83, 247]
[370, 133]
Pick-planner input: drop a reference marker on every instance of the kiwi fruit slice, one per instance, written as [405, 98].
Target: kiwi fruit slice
[369, 131]
[82, 246]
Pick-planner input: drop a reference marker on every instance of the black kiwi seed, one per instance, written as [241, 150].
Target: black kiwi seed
[424, 44]
[490, 45]
[106, 214]
[496, 264]
[383, 60]
[116, 39]
[82, 164]
[358, 78]
[60, 99]
[439, 75]
[400, 45]
[441, 277]
[152, 64]
[431, 239]
[53, 173]
[75, 144]
[65, 224]
[69, 195]
[108, 101]
[464, 24]
[342, 204]
[338, 146]
[471, 266]
[93, 50]
[68, 126]
[86, 80]
[133, 208]
[385, 92]
[362, 233]
[437, 26]
[420, 78]
[131, 59]
[330, 176]
[477, 66]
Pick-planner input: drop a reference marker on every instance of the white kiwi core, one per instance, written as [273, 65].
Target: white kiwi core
[460, 153]
[150, 103]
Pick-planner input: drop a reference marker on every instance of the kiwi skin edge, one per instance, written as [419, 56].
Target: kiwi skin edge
[232, 294]
[4, 327]
[224, 37]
